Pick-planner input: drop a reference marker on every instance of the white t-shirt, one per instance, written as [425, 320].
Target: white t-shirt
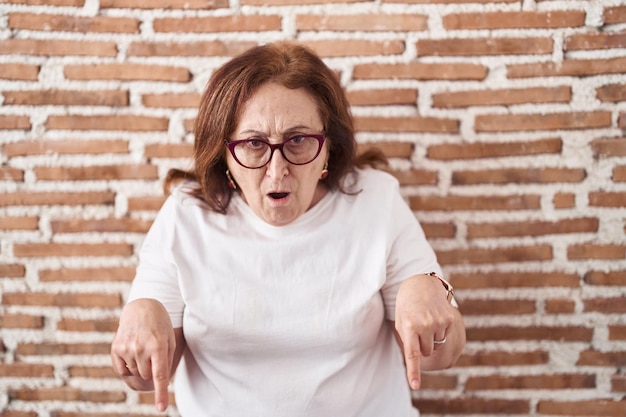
[287, 321]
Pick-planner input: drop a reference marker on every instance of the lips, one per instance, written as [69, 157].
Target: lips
[277, 195]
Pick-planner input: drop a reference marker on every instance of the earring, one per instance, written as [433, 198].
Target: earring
[231, 182]
[324, 171]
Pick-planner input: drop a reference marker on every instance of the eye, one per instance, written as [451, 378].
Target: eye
[298, 139]
[255, 144]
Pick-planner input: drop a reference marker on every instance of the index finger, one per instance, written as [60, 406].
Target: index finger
[412, 359]
[160, 380]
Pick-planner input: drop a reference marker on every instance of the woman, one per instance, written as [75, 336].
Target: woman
[279, 270]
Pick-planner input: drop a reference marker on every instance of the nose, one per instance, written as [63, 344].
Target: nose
[278, 166]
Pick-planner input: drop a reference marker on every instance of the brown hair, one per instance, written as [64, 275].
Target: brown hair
[293, 66]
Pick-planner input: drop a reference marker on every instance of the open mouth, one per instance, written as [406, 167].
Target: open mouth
[277, 196]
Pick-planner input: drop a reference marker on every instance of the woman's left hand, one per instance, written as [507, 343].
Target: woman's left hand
[430, 329]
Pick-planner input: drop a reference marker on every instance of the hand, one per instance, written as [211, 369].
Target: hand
[423, 316]
[143, 349]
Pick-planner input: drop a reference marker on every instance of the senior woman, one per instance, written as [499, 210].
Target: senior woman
[284, 275]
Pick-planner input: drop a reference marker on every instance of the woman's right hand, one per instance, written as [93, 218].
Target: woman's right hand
[144, 348]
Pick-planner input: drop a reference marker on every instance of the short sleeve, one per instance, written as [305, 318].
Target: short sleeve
[409, 251]
[157, 275]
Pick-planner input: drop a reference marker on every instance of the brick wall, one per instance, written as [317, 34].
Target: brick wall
[505, 122]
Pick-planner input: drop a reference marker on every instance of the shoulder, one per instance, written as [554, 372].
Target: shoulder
[182, 194]
[375, 179]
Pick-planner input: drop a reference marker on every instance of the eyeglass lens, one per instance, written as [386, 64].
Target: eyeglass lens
[298, 150]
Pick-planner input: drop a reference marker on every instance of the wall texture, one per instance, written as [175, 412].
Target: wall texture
[504, 120]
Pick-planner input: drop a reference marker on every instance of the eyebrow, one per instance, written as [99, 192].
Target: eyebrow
[286, 132]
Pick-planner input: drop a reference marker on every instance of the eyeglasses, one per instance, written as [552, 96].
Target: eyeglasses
[256, 153]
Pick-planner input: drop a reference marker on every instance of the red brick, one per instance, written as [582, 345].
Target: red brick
[453, 151]
[21, 321]
[612, 93]
[14, 122]
[355, 47]
[610, 278]
[25, 198]
[362, 22]
[67, 394]
[453, 202]
[542, 333]
[406, 124]
[615, 14]
[416, 177]
[609, 305]
[538, 382]
[102, 172]
[536, 121]
[19, 223]
[80, 24]
[471, 307]
[569, 67]
[12, 270]
[586, 408]
[439, 230]
[91, 372]
[85, 300]
[607, 199]
[238, 23]
[608, 147]
[164, 4]
[502, 97]
[617, 332]
[127, 72]
[564, 200]
[110, 98]
[172, 100]
[596, 251]
[169, 150]
[30, 250]
[598, 40]
[490, 256]
[420, 71]
[179, 49]
[514, 20]
[544, 175]
[76, 325]
[484, 46]
[133, 123]
[87, 274]
[618, 383]
[19, 72]
[75, 3]
[126, 225]
[533, 228]
[66, 146]
[438, 382]
[596, 358]
[472, 405]
[503, 358]
[26, 370]
[619, 174]
[560, 306]
[11, 174]
[515, 280]
[56, 47]
[145, 203]
[290, 2]
[382, 97]
[391, 149]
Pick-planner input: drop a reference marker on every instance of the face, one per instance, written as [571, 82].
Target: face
[279, 192]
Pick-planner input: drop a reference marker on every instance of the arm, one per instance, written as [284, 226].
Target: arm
[146, 348]
[423, 316]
